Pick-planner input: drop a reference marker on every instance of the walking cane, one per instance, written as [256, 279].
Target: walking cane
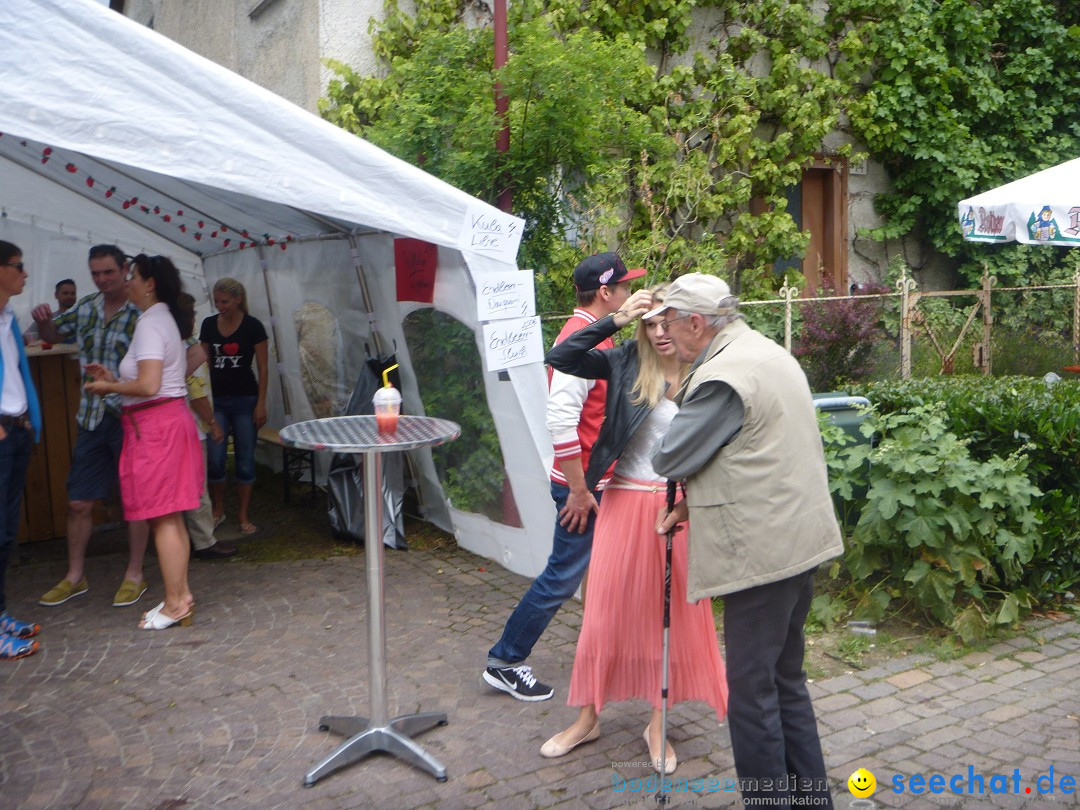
[661, 797]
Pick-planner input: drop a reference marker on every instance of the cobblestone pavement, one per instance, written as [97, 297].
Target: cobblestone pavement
[225, 714]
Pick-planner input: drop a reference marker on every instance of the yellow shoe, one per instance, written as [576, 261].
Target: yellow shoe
[129, 593]
[62, 591]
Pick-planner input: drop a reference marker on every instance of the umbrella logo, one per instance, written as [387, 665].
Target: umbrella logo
[1043, 227]
[967, 222]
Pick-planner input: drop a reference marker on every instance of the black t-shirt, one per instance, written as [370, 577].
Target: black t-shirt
[231, 356]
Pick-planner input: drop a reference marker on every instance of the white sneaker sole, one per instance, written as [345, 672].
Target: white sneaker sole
[132, 602]
[502, 686]
[54, 604]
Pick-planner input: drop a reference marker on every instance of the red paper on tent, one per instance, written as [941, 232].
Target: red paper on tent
[414, 261]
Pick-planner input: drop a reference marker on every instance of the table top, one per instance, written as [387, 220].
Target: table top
[358, 434]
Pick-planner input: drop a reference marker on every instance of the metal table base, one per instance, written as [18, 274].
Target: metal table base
[378, 733]
[394, 738]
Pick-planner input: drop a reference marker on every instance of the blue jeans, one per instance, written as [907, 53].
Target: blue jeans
[566, 566]
[236, 415]
[14, 459]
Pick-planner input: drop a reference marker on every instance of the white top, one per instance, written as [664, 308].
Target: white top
[13, 394]
[635, 462]
[156, 338]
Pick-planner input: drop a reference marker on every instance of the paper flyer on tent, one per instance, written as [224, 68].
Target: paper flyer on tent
[512, 343]
[505, 295]
[490, 232]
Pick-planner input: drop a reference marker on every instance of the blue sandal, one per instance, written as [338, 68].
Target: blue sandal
[13, 627]
[12, 648]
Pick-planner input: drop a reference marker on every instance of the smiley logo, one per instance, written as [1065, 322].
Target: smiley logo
[862, 783]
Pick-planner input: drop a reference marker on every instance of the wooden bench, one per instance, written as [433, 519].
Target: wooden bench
[294, 461]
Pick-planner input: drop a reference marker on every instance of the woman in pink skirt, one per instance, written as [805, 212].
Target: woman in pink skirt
[619, 653]
[161, 470]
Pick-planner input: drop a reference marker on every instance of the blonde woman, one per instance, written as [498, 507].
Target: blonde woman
[619, 653]
[234, 341]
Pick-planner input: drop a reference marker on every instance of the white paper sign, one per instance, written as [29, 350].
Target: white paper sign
[512, 343]
[490, 232]
[505, 295]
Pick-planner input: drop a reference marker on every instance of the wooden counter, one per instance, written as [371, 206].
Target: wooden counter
[57, 377]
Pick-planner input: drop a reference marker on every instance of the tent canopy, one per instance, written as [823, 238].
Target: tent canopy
[1042, 208]
[113, 133]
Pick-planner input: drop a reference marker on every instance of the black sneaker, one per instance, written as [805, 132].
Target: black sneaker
[518, 681]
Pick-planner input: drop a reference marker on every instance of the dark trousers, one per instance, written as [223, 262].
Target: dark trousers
[14, 459]
[774, 733]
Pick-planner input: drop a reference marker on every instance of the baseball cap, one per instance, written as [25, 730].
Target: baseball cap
[602, 269]
[697, 292]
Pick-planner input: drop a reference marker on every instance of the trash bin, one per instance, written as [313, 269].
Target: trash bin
[844, 412]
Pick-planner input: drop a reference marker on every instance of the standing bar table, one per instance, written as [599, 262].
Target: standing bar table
[359, 435]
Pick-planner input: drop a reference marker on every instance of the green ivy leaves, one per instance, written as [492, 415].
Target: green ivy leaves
[966, 95]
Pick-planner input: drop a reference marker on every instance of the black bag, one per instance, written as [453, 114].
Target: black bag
[345, 481]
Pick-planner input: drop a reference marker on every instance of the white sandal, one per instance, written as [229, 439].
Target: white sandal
[157, 620]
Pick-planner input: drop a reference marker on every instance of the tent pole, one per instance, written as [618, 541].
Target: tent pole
[274, 330]
[365, 294]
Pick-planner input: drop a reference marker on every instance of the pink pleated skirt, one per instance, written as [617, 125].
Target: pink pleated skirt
[161, 465]
[620, 649]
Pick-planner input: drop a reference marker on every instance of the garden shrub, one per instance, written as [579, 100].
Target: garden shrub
[837, 338]
[972, 497]
[998, 415]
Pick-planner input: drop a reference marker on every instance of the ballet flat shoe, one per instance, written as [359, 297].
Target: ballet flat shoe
[554, 748]
[670, 764]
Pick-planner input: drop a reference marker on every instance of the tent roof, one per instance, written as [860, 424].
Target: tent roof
[128, 118]
[1009, 212]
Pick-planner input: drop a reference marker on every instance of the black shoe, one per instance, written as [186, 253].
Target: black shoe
[518, 681]
[218, 551]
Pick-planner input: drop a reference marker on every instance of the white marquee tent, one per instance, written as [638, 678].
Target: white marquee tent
[113, 133]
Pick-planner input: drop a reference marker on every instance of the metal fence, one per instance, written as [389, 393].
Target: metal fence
[912, 321]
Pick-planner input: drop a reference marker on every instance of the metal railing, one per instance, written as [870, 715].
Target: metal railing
[912, 320]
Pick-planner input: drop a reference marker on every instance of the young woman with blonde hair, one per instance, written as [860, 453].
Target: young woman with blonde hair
[619, 653]
[234, 341]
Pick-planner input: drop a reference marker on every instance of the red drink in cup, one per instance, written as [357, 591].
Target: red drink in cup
[387, 403]
[386, 422]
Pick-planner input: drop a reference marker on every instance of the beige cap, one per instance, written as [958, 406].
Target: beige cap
[697, 292]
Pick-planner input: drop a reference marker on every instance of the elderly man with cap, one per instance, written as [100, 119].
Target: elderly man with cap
[747, 446]
[575, 409]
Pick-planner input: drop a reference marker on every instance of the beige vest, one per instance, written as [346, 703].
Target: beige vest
[760, 510]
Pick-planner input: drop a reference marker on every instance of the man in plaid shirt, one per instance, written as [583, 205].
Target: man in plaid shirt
[101, 325]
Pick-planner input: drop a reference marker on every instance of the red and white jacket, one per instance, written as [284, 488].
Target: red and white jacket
[575, 407]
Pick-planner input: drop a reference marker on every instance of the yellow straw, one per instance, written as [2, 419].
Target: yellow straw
[386, 375]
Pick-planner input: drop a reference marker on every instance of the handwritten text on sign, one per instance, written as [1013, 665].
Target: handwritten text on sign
[512, 343]
[505, 295]
[491, 232]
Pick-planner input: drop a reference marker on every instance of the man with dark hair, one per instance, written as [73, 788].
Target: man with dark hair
[575, 409]
[20, 424]
[746, 442]
[101, 325]
[65, 294]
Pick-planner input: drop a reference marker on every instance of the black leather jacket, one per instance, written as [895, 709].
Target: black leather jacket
[619, 366]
